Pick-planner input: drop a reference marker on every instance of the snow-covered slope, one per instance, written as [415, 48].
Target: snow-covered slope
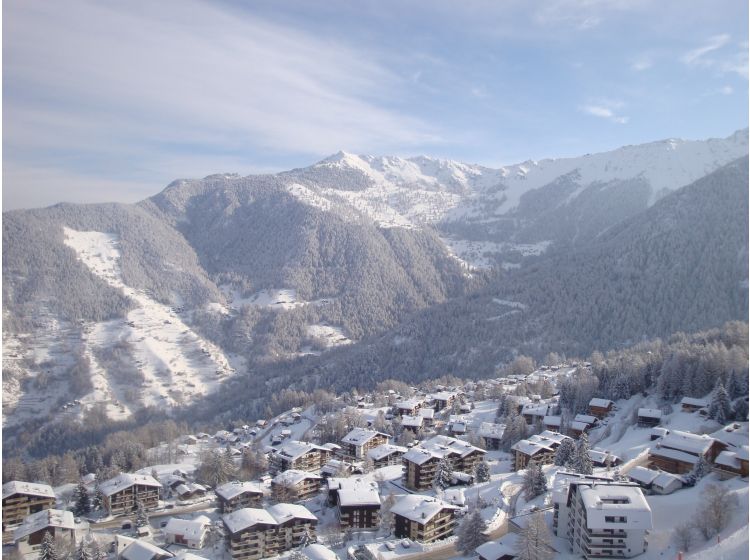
[175, 363]
[485, 211]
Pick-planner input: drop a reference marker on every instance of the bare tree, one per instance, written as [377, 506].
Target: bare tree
[683, 536]
[717, 509]
[534, 541]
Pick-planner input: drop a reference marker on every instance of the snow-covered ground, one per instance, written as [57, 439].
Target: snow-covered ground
[176, 364]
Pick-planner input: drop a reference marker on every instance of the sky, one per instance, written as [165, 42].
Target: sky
[111, 101]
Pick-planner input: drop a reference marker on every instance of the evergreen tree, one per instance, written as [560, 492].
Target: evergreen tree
[443, 475]
[471, 533]
[565, 452]
[141, 516]
[740, 410]
[82, 504]
[733, 386]
[386, 515]
[83, 552]
[581, 462]
[97, 500]
[96, 552]
[48, 550]
[503, 406]
[534, 540]
[702, 468]
[720, 408]
[482, 471]
[534, 481]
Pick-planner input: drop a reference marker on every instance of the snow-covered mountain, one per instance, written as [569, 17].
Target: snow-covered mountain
[486, 215]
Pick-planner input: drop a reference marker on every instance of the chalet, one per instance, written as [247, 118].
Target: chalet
[504, 548]
[552, 423]
[643, 477]
[428, 416]
[657, 433]
[237, 495]
[336, 467]
[649, 417]
[187, 532]
[190, 491]
[386, 455]
[603, 458]
[122, 493]
[299, 455]
[457, 425]
[29, 534]
[359, 441]
[318, 552]
[655, 482]
[357, 500]
[538, 448]
[410, 407]
[600, 407]
[443, 399]
[732, 463]
[128, 548]
[301, 484]
[423, 519]
[602, 518]
[421, 462]
[254, 533]
[491, 434]
[582, 423]
[412, 423]
[690, 404]
[533, 412]
[678, 452]
[21, 499]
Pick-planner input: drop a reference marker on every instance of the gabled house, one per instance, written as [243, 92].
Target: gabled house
[21, 499]
[237, 495]
[299, 455]
[409, 406]
[443, 399]
[360, 440]
[691, 404]
[491, 434]
[29, 534]
[423, 519]
[421, 461]
[412, 423]
[187, 532]
[732, 463]
[603, 458]
[357, 501]
[649, 417]
[252, 534]
[678, 452]
[539, 448]
[386, 455]
[122, 493]
[600, 407]
[301, 484]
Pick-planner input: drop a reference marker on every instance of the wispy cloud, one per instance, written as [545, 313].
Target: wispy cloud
[90, 77]
[642, 63]
[697, 55]
[605, 109]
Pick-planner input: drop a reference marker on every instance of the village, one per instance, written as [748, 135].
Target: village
[486, 469]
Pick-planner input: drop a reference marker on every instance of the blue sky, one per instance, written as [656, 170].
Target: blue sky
[110, 101]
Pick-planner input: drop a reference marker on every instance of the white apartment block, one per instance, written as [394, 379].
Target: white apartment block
[600, 518]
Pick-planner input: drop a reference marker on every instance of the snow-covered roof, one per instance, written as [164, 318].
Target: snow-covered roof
[331, 446]
[490, 430]
[142, 550]
[578, 426]
[665, 479]
[126, 480]
[383, 451]
[231, 490]
[418, 455]
[442, 396]
[455, 496]
[685, 441]
[409, 404]
[691, 401]
[552, 421]
[191, 528]
[728, 459]
[530, 448]
[42, 519]
[28, 488]
[601, 456]
[642, 475]
[649, 413]
[420, 508]
[507, 545]
[598, 500]
[294, 449]
[536, 409]
[674, 455]
[413, 421]
[355, 491]
[360, 436]
[427, 413]
[245, 518]
[284, 512]
[292, 477]
[735, 434]
[318, 552]
[601, 403]
[585, 418]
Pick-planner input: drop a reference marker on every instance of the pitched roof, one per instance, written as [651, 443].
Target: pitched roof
[420, 508]
[490, 430]
[294, 449]
[360, 436]
[42, 519]
[126, 480]
[649, 413]
[686, 441]
[285, 512]
[383, 451]
[318, 552]
[28, 488]
[246, 518]
[292, 477]
[231, 490]
[603, 403]
[643, 475]
[191, 528]
[355, 491]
